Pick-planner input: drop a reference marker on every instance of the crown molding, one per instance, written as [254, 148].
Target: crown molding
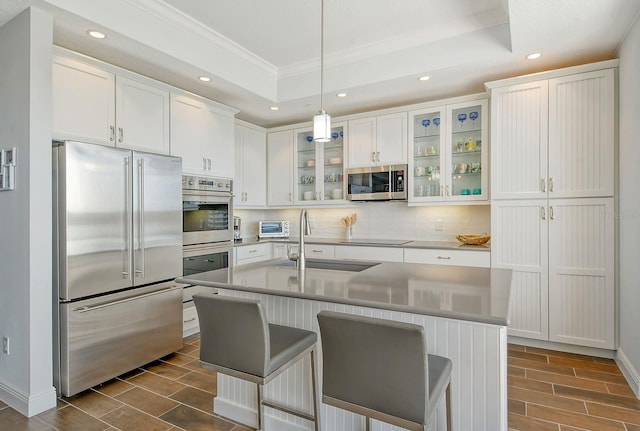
[184, 22]
[485, 21]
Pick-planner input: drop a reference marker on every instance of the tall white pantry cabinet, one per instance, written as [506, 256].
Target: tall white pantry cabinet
[552, 204]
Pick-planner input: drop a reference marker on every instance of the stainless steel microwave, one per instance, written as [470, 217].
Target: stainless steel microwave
[377, 183]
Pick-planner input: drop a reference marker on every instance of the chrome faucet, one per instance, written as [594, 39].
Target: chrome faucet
[305, 229]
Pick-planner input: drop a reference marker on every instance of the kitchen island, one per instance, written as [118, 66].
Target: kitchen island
[464, 311]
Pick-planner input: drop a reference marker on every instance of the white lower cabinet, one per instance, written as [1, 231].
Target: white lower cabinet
[320, 250]
[448, 257]
[252, 253]
[562, 255]
[376, 254]
[279, 249]
[190, 324]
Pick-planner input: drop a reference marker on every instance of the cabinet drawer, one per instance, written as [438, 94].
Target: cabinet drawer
[190, 324]
[448, 257]
[376, 254]
[319, 250]
[252, 253]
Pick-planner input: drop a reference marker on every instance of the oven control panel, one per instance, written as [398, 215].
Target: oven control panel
[206, 183]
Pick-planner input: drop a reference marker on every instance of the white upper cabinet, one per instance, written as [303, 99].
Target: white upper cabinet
[250, 184]
[189, 130]
[519, 137]
[380, 140]
[221, 141]
[94, 105]
[554, 138]
[582, 135]
[448, 161]
[83, 102]
[202, 133]
[319, 167]
[142, 116]
[280, 168]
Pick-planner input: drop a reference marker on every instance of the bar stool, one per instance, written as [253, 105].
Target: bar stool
[380, 369]
[237, 340]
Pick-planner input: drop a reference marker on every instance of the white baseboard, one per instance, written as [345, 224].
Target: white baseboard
[629, 372]
[27, 405]
[248, 417]
[562, 347]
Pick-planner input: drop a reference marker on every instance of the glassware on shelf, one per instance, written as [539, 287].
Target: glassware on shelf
[462, 118]
[436, 121]
[473, 116]
[309, 138]
[425, 123]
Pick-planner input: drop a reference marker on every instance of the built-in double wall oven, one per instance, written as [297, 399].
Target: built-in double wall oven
[207, 227]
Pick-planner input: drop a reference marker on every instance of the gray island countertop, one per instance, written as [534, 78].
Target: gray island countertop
[453, 292]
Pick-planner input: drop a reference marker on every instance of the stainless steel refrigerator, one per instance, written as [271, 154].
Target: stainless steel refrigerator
[117, 248]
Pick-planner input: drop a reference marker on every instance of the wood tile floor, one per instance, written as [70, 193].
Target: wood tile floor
[548, 391]
[171, 394]
[555, 391]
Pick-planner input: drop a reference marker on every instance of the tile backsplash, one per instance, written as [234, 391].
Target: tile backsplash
[380, 220]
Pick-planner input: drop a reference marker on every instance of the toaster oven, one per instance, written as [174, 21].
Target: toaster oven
[273, 229]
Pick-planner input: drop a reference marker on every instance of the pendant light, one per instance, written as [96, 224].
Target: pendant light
[322, 120]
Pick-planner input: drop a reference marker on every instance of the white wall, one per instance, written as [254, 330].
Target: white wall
[629, 206]
[381, 220]
[25, 214]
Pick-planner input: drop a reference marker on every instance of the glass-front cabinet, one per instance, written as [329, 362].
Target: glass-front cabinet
[448, 159]
[320, 167]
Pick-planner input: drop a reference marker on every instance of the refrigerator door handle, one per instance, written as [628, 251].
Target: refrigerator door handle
[88, 308]
[126, 273]
[140, 264]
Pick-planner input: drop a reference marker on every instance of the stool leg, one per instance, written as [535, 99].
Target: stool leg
[260, 407]
[448, 403]
[314, 384]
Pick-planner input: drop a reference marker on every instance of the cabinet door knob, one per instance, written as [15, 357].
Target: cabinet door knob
[543, 185]
[543, 213]
[444, 257]
[204, 164]
[551, 213]
[551, 184]
[121, 134]
[373, 156]
[377, 156]
[112, 133]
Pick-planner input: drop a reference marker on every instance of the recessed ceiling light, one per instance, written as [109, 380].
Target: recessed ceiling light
[96, 34]
[341, 94]
[273, 108]
[533, 56]
[204, 78]
[424, 78]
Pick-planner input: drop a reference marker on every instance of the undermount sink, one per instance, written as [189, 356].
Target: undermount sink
[332, 265]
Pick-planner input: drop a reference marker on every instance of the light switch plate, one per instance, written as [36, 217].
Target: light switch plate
[8, 169]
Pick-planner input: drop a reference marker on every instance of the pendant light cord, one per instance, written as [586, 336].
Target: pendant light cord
[321, 53]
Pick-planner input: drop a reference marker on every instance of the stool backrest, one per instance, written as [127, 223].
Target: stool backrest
[234, 333]
[376, 364]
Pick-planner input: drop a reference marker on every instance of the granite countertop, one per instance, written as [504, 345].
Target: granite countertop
[453, 292]
[441, 245]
